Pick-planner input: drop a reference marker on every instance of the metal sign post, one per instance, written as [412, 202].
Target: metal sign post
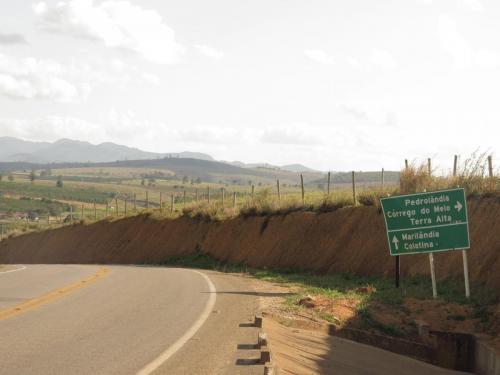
[466, 273]
[433, 276]
[398, 270]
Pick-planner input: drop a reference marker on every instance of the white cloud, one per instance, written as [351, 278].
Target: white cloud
[118, 127]
[203, 134]
[297, 134]
[116, 24]
[7, 38]
[31, 78]
[463, 54]
[209, 51]
[453, 42]
[474, 5]
[376, 116]
[382, 59]
[487, 58]
[470, 5]
[354, 62]
[354, 111]
[52, 128]
[319, 55]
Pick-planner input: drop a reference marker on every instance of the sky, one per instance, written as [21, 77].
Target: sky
[335, 85]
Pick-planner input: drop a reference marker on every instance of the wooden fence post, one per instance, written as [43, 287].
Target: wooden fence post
[234, 200]
[147, 200]
[328, 184]
[382, 178]
[279, 193]
[135, 202]
[81, 216]
[172, 204]
[125, 208]
[490, 166]
[208, 194]
[302, 188]
[253, 194]
[95, 211]
[429, 166]
[196, 194]
[184, 199]
[116, 206]
[107, 208]
[406, 163]
[354, 189]
[222, 196]
[455, 162]
[161, 203]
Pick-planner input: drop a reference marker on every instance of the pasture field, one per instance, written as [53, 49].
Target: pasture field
[91, 194]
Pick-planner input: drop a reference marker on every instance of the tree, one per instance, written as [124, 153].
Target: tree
[185, 179]
[59, 182]
[32, 176]
[143, 182]
[11, 177]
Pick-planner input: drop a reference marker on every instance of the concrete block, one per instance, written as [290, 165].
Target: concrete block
[265, 355]
[262, 340]
[258, 321]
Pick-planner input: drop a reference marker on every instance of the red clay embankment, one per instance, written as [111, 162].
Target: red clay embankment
[349, 240]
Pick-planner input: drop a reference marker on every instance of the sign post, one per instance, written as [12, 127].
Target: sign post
[426, 223]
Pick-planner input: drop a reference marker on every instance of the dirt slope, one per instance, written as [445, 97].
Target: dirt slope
[348, 240]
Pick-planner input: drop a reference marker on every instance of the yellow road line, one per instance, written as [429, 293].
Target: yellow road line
[52, 296]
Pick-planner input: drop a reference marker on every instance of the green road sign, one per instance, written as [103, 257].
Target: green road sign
[426, 222]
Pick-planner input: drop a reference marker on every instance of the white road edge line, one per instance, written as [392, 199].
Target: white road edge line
[153, 366]
[17, 269]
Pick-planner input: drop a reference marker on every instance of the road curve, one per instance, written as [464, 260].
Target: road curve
[135, 319]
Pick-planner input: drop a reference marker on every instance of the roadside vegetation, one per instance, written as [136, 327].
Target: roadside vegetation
[371, 303]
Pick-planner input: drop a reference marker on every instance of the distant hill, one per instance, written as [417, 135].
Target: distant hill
[19, 155]
[67, 150]
[297, 168]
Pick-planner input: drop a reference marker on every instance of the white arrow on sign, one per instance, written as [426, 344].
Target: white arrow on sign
[458, 206]
[395, 241]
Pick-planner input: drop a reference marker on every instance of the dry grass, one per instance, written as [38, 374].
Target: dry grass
[472, 174]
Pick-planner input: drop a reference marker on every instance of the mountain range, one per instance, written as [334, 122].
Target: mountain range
[73, 151]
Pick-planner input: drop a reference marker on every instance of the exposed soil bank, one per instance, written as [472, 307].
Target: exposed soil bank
[349, 240]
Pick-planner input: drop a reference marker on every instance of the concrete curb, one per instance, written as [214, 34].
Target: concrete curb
[487, 361]
[458, 351]
[265, 348]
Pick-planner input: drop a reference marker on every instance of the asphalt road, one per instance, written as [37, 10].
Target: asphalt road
[133, 320]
